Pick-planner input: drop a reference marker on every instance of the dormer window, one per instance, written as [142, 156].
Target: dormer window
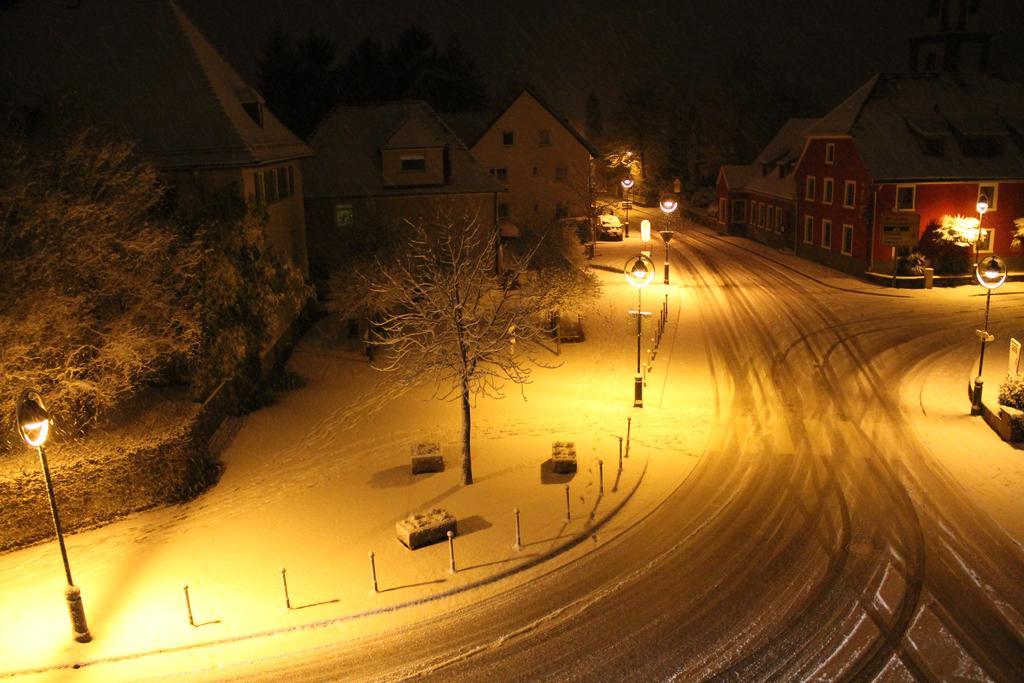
[413, 163]
[252, 103]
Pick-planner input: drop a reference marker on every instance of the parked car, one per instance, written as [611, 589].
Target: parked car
[609, 228]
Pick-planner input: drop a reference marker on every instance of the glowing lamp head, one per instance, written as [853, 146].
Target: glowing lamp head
[627, 183]
[668, 204]
[991, 272]
[33, 418]
[639, 271]
[982, 204]
[645, 230]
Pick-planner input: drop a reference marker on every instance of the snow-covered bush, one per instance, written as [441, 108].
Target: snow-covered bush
[912, 265]
[1018, 234]
[1011, 392]
[944, 250]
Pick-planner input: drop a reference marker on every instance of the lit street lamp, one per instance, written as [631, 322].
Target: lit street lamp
[639, 272]
[991, 273]
[982, 208]
[627, 185]
[34, 426]
[668, 204]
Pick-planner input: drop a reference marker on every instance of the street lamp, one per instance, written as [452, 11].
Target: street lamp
[627, 185]
[982, 207]
[639, 272]
[34, 426]
[668, 204]
[991, 273]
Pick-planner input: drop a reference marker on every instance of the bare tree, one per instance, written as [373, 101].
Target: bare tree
[451, 321]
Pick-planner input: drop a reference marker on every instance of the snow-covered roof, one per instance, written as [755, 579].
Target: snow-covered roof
[772, 171]
[736, 175]
[146, 71]
[934, 126]
[348, 146]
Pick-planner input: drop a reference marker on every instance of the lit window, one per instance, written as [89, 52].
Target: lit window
[849, 194]
[508, 138]
[991, 193]
[826, 233]
[809, 229]
[544, 137]
[847, 246]
[342, 215]
[905, 197]
[827, 190]
[413, 163]
[830, 153]
[810, 188]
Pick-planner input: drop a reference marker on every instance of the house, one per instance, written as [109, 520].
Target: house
[765, 189]
[544, 161]
[143, 70]
[904, 149]
[390, 161]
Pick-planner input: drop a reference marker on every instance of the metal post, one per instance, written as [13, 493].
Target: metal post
[373, 572]
[620, 453]
[451, 551]
[188, 606]
[519, 540]
[568, 515]
[600, 476]
[72, 595]
[979, 381]
[284, 582]
[666, 263]
[629, 426]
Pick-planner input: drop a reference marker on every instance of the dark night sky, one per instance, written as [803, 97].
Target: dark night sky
[568, 48]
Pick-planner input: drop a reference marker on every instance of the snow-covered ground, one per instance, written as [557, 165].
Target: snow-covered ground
[313, 487]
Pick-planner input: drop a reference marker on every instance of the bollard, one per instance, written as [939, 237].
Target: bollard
[188, 606]
[451, 551]
[629, 424]
[568, 516]
[600, 476]
[284, 582]
[519, 538]
[373, 572]
[620, 453]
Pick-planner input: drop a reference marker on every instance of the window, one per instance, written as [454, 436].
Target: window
[270, 182]
[991, 192]
[508, 138]
[291, 181]
[413, 163]
[739, 210]
[721, 210]
[561, 174]
[849, 194]
[500, 174]
[342, 215]
[778, 219]
[826, 233]
[985, 243]
[282, 182]
[760, 214]
[847, 246]
[809, 229]
[534, 172]
[502, 210]
[257, 183]
[905, 196]
[830, 153]
[544, 137]
[826, 191]
[810, 188]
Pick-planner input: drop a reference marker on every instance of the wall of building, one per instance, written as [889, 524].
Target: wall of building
[845, 165]
[286, 225]
[544, 180]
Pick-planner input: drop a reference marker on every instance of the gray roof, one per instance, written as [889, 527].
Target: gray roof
[772, 171]
[349, 141]
[143, 69]
[737, 175]
[934, 126]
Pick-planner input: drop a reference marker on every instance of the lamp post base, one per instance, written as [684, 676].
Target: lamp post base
[79, 627]
[976, 405]
[666, 273]
[638, 392]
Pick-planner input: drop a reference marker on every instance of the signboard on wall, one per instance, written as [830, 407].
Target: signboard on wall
[900, 229]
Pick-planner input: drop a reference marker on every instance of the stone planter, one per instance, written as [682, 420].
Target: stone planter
[425, 529]
[563, 457]
[1011, 424]
[426, 457]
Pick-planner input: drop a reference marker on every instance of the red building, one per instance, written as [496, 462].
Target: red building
[909, 148]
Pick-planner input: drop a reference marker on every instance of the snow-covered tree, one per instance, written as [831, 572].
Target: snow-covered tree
[450, 320]
[961, 231]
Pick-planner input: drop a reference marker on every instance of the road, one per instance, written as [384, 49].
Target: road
[814, 540]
